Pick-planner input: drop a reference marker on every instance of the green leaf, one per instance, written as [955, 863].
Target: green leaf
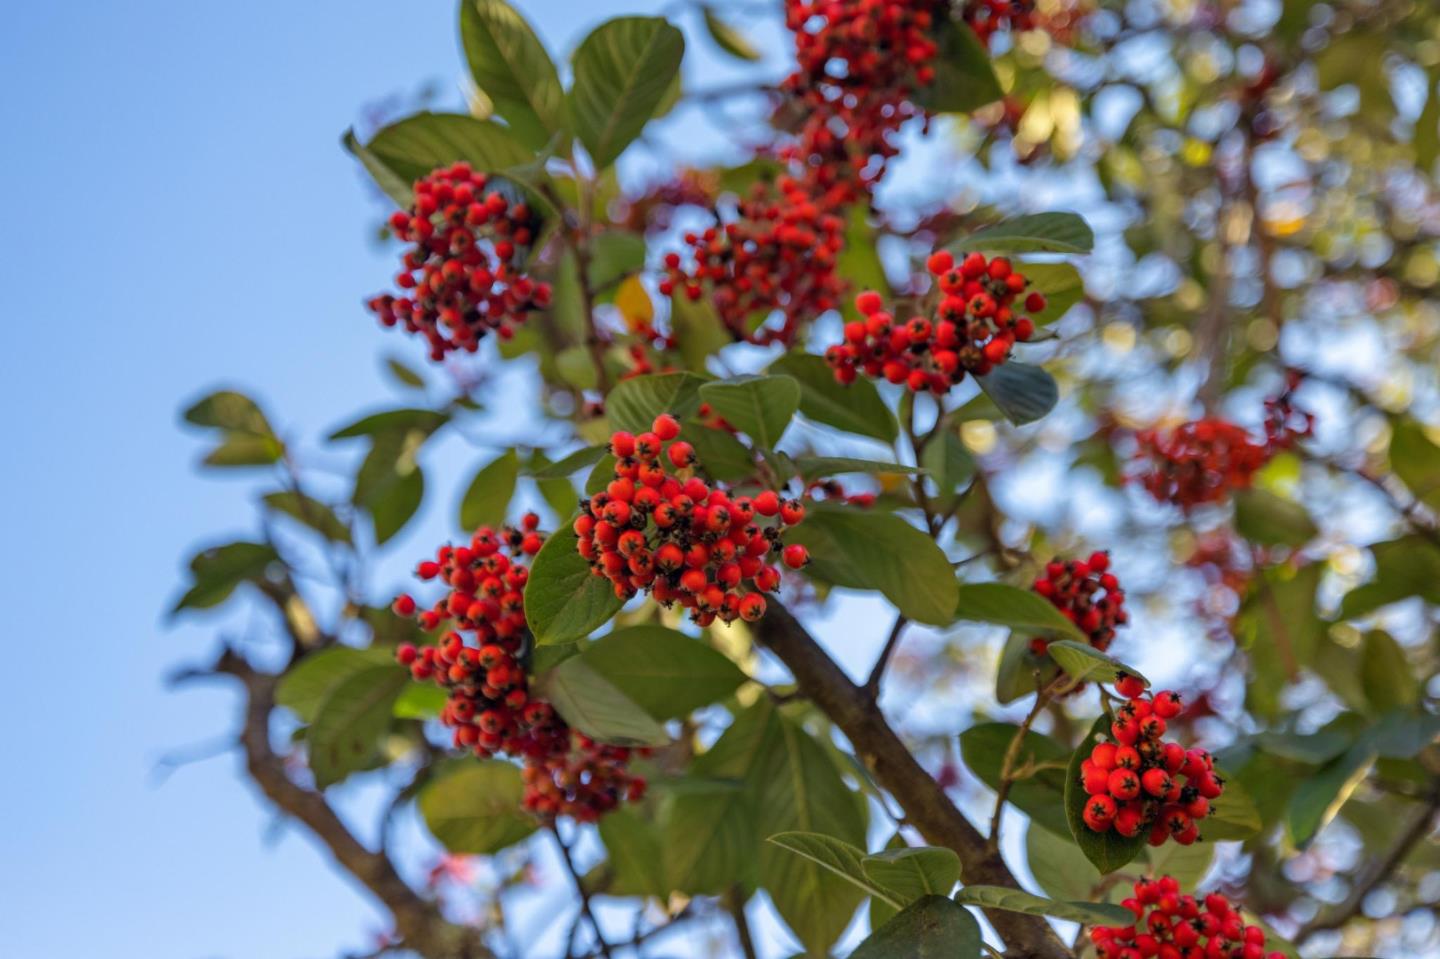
[758, 406]
[1024, 393]
[510, 66]
[1041, 793]
[393, 421]
[1233, 816]
[1265, 518]
[1107, 851]
[859, 260]
[1061, 284]
[931, 928]
[230, 411]
[857, 408]
[1022, 671]
[394, 505]
[310, 512]
[568, 466]
[1021, 609]
[914, 873]
[1034, 232]
[1427, 126]
[403, 374]
[414, 147]
[964, 76]
[623, 71]
[1014, 900]
[698, 329]
[637, 858]
[634, 403]
[838, 857]
[863, 549]
[814, 467]
[1059, 867]
[949, 465]
[1319, 797]
[710, 837]
[1280, 629]
[420, 701]
[216, 572]
[721, 455]
[1416, 460]
[592, 704]
[488, 499]
[307, 684]
[727, 37]
[668, 674]
[801, 789]
[244, 449]
[1187, 865]
[1086, 664]
[354, 715]
[474, 807]
[1386, 675]
[564, 599]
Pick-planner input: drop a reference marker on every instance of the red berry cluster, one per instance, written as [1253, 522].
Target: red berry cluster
[1199, 462]
[490, 708]
[1169, 925]
[1139, 781]
[859, 65]
[975, 324]
[987, 17]
[679, 538]
[462, 276]
[779, 254]
[1204, 460]
[1088, 595]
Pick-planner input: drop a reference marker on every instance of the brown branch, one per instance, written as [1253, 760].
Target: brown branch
[1379, 871]
[419, 922]
[926, 806]
[877, 673]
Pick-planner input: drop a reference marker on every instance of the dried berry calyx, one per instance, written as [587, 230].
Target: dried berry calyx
[479, 661]
[1137, 781]
[658, 528]
[975, 322]
[462, 276]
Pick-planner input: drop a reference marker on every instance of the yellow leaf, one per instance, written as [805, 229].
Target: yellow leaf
[634, 304]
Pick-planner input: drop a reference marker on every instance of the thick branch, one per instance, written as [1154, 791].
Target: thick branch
[419, 922]
[896, 769]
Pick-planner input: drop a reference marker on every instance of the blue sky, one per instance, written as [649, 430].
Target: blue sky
[179, 215]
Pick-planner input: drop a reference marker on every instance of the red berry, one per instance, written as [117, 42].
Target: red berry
[796, 556]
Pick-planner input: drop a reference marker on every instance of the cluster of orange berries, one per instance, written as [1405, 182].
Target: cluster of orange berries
[779, 254]
[1139, 781]
[860, 63]
[1169, 925]
[1087, 594]
[490, 709]
[462, 277]
[976, 323]
[682, 540]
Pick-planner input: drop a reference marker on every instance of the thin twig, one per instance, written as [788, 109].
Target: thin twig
[872, 685]
[585, 908]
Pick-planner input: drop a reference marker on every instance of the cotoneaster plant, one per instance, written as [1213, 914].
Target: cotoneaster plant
[796, 488]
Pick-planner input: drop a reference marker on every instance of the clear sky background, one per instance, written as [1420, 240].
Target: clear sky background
[179, 215]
